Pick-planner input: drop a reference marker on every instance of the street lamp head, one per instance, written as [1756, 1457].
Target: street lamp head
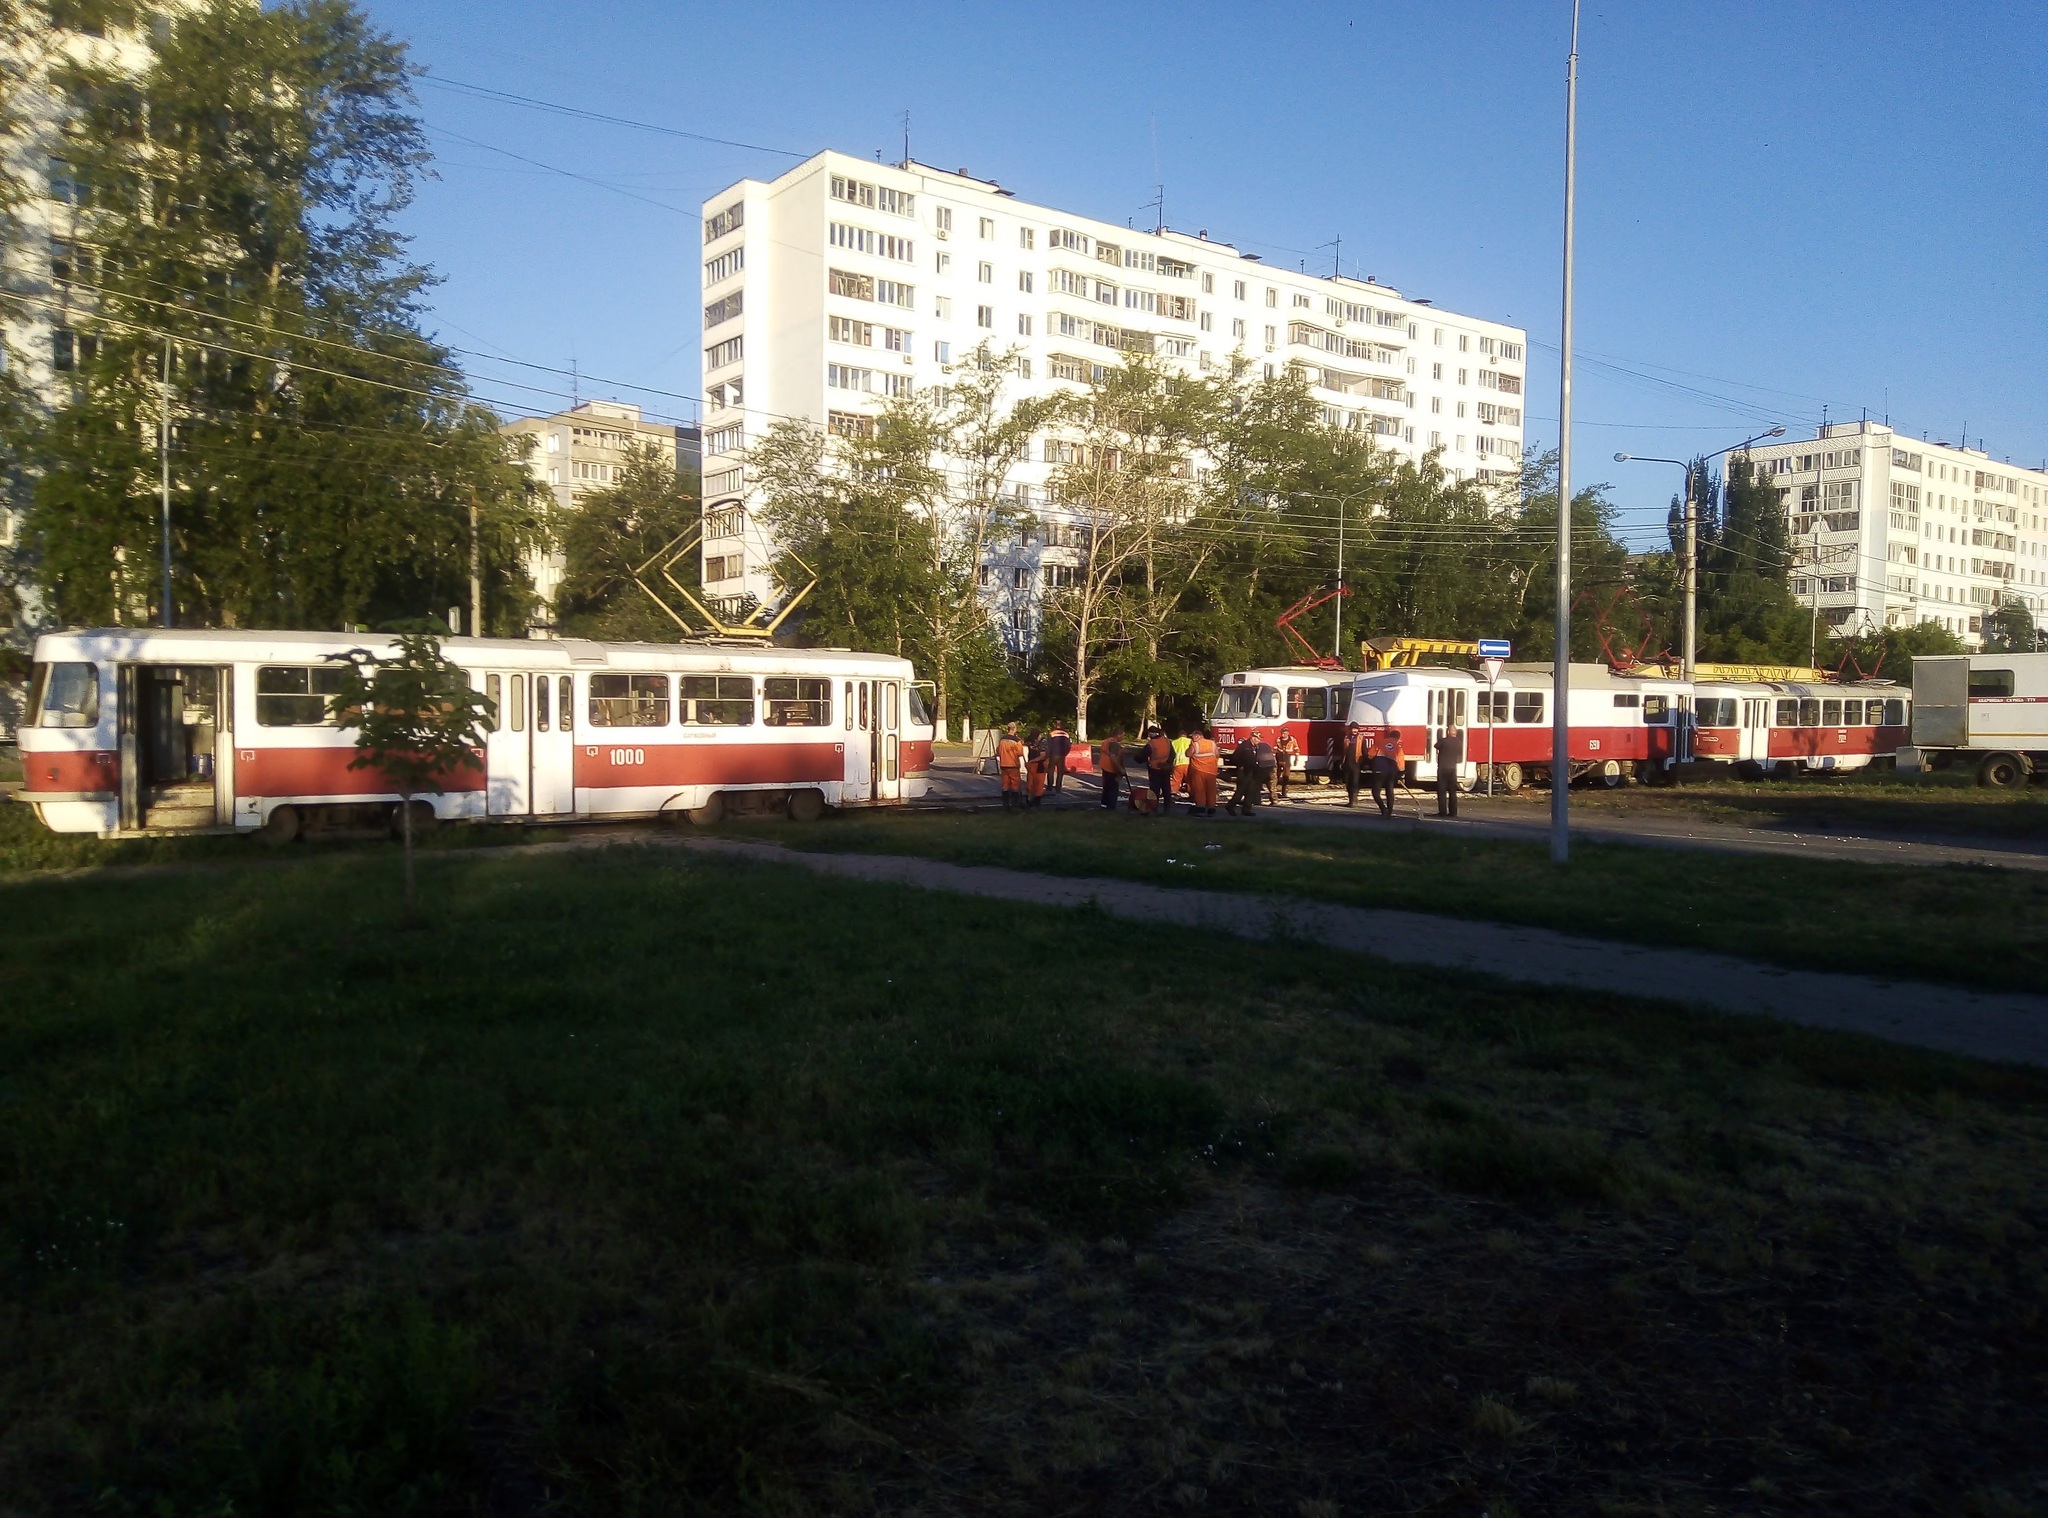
[1775, 432]
[1621, 458]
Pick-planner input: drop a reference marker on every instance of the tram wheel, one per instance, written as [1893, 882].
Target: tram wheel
[1608, 775]
[280, 827]
[806, 806]
[1508, 777]
[710, 813]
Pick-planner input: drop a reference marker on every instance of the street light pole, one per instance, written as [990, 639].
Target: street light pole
[1343, 509]
[1561, 658]
[163, 450]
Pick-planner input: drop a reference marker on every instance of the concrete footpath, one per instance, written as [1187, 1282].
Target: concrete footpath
[1985, 1024]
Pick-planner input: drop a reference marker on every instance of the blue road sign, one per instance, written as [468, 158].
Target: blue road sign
[1493, 648]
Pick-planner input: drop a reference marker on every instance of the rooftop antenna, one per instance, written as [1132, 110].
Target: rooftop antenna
[1337, 263]
[575, 383]
[906, 134]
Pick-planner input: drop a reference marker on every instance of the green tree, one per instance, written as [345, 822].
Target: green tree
[1888, 652]
[240, 267]
[2009, 628]
[609, 534]
[418, 723]
[1747, 613]
[1599, 564]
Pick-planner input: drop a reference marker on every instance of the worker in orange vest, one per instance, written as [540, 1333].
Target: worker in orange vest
[1010, 764]
[1202, 771]
[1036, 761]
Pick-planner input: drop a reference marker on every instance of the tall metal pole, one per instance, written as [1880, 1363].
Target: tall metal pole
[1692, 574]
[1560, 689]
[163, 452]
[1337, 650]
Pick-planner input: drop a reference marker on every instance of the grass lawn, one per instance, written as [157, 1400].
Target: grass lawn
[1950, 803]
[640, 1182]
[1964, 924]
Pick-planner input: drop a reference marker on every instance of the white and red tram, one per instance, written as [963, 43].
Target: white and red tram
[1307, 702]
[1623, 727]
[139, 731]
[1764, 727]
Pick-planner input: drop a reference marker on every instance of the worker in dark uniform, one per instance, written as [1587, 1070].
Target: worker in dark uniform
[1253, 763]
[1058, 743]
[1353, 756]
[1109, 763]
[1387, 760]
[1450, 753]
[1159, 769]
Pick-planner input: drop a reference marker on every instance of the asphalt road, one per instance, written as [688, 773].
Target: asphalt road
[956, 784]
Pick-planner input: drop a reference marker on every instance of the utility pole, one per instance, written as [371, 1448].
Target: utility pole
[1561, 661]
[476, 572]
[1343, 507]
[1692, 575]
[163, 453]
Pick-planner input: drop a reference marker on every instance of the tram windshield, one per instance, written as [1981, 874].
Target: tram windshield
[917, 711]
[1246, 701]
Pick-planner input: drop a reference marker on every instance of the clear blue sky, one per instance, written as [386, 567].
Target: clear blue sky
[1781, 205]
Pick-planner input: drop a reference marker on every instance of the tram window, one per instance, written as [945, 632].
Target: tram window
[791, 701]
[568, 703]
[1831, 712]
[1809, 713]
[917, 712]
[1852, 714]
[494, 689]
[1990, 684]
[863, 706]
[718, 701]
[1529, 706]
[519, 703]
[1895, 714]
[1340, 703]
[1308, 703]
[1656, 709]
[541, 713]
[1493, 708]
[628, 700]
[848, 711]
[1788, 714]
[1715, 711]
[292, 696]
[69, 695]
[1628, 700]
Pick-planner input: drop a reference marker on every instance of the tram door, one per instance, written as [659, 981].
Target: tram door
[554, 745]
[888, 760]
[857, 721]
[1756, 730]
[508, 746]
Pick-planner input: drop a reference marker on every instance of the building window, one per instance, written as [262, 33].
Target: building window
[727, 352]
[1024, 281]
[1271, 337]
[986, 273]
[1237, 326]
[1024, 368]
[846, 377]
[988, 229]
[724, 266]
[1208, 284]
[1023, 326]
[849, 424]
[985, 316]
[1272, 296]
[943, 352]
[1027, 238]
[943, 218]
[729, 220]
[890, 292]
[945, 263]
[844, 329]
[723, 310]
[896, 340]
[852, 286]
[942, 307]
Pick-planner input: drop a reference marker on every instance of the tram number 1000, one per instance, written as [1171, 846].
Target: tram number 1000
[629, 756]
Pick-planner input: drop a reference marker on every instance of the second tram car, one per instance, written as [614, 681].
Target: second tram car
[1310, 703]
[1764, 728]
[138, 731]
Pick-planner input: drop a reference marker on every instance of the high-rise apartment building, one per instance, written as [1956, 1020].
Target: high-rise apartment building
[1892, 531]
[583, 449]
[845, 282]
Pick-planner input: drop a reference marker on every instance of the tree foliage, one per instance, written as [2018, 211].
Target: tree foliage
[418, 722]
[610, 534]
[234, 245]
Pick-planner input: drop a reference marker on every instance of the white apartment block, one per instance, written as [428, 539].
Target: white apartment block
[1891, 531]
[845, 282]
[583, 449]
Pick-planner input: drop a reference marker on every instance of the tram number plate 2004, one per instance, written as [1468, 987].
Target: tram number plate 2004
[629, 756]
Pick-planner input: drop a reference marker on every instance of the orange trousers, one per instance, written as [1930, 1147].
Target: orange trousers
[1202, 788]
